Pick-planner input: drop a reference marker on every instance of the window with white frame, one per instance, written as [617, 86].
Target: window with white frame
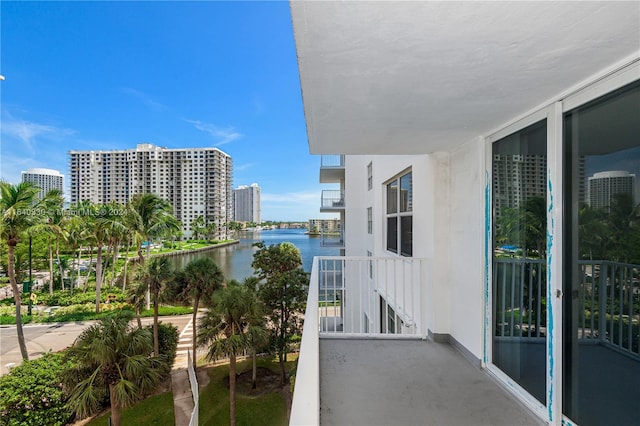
[369, 176]
[390, 322]
[369, 220]
[399, 215]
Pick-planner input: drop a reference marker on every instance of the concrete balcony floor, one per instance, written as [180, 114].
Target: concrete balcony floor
[366, 382]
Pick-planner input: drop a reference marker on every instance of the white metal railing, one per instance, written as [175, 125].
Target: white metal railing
[332, 199]
[610, 304]
[193, 381]
[333, 161]
[332, 238]
[371, 295]
[305, 407]
[608, 309]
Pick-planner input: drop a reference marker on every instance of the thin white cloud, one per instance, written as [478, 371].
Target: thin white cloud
[243, 167]
[28, 132]
[220, 135]
[147, 100]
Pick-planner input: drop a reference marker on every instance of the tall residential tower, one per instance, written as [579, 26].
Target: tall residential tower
[246, 203]
[196, 181]
[45, 179]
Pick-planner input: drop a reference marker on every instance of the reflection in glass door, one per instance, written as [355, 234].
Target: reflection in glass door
[601, 312]
[519, 257]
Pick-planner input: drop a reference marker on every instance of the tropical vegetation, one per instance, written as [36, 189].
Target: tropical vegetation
[112, 361]
[226, 328]
[32, 395]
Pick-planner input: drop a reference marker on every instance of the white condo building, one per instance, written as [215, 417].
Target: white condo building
[45, 179]
[471, 289]
[604, 186]
[196, 181]
[246, 203]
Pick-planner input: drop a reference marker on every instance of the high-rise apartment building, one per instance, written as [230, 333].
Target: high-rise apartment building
[196, 181]
[246, 203]
[45, 179]
[603, 187]
[517, 178]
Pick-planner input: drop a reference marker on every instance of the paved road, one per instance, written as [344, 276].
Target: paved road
[42, 338]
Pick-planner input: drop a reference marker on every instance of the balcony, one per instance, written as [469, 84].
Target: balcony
[333, 238]
[331, 168]
[332, 201]
[365, 360]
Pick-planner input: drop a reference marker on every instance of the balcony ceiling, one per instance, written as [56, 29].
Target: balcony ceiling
[417, 77]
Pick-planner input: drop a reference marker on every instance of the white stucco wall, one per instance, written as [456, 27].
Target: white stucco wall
[448, 229]
[357, 199]
[430, 175]
[466, 234]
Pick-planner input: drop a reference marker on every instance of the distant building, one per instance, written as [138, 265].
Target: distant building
[324, 225]
[196, 181]
[604, 186]
[246, 203]
[45, 179]
[517, 178]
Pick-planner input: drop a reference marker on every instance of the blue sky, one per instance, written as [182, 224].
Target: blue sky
[110, 75]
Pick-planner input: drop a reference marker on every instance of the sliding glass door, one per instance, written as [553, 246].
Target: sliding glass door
[519, 199]
[601, 308]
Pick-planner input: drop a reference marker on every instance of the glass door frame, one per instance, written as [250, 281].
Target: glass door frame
[613, 78]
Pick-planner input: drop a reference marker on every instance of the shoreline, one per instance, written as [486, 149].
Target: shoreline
[197, 250]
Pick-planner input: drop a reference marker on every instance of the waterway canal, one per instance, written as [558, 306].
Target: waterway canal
[235, 259]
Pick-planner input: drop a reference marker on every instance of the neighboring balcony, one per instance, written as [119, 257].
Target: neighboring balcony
[333, 238]
[365, 360]
[332, 201]
[331, 168]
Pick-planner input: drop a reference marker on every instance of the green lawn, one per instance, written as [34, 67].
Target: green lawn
[7, 318]
[268, 409]
[156, 410]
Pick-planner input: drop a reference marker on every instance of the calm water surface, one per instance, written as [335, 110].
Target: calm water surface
[235, 260]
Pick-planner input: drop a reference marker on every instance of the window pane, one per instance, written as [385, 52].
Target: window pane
[406, 193]
[392, 197]
[601, 336]
[391, 320]
[519, 258]
[406, 235]
[392, 234]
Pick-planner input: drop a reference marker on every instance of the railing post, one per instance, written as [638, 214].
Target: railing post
[602, 302]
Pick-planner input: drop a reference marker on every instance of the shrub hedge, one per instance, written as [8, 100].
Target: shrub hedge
[32, 393]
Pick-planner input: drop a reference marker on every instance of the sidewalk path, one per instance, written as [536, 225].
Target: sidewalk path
[180, 385]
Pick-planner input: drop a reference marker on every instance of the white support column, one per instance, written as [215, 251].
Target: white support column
[554, 264]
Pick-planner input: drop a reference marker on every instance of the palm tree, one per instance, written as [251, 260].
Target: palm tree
[76, 234]
[135, 297]
[103, 222]
[111, 358]
[133, 223]
[201, 278]
[197, 226]
[257, 335]
[225, 329]
[210, 230]
[155, 219]
[117, 232]
[51, 226]
[154, 275]
[16, 208]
